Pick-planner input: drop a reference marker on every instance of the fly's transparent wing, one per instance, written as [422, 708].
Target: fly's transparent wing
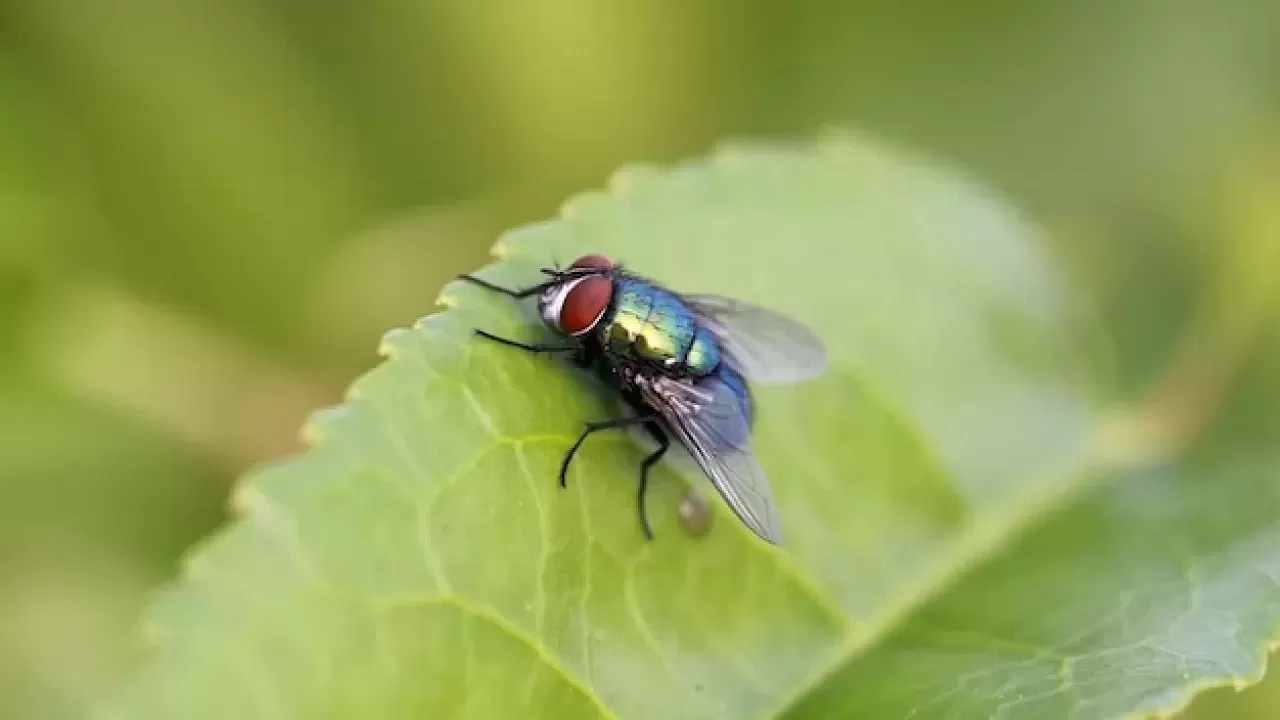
[763, 345]
[712, 421]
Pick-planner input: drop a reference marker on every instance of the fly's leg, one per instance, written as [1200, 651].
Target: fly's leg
[535, 348]
[517, 294]
[663, 445]
[595, 428]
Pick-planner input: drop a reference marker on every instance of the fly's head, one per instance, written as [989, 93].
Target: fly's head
[578, 297]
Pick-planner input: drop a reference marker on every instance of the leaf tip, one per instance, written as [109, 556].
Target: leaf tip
[500, 250]
[190, 566]
[313, 430]
[733, 151]
[583, 203]
[529, 240]
[627, 179]
[388, 346]
[446, 299]
[244, 498]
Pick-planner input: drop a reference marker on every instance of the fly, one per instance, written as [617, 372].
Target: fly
[682, 363]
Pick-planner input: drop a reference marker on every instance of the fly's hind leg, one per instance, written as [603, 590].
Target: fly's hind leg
[664, 444]
[593, 428]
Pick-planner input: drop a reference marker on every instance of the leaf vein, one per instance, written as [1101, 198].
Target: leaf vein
[513, 631]
[544, 555]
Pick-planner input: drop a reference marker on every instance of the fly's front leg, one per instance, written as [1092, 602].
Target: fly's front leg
[517, 294]
[593, 428]
[535, 348]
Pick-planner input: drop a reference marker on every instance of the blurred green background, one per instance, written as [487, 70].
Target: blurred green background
[211, 209]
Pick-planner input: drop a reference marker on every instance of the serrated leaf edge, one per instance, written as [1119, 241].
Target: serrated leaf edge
[246, 504]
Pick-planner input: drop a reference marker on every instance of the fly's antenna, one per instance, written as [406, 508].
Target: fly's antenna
[573, 272]
[554, 271]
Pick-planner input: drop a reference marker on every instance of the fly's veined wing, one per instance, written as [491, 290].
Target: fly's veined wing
[764, 345]
[712, 420]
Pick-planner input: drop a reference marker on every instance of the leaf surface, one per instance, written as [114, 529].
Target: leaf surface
[420, 560]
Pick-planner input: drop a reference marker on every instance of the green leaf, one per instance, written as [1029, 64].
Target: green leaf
[952, 536]
[1152, 589]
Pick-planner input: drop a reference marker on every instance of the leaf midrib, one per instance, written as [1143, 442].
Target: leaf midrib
[971, 553]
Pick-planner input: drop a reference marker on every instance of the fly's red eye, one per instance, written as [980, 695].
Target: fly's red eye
[598, 262]
[585, 304]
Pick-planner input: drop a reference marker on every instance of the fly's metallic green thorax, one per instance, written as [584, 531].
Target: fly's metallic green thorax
[653, 325]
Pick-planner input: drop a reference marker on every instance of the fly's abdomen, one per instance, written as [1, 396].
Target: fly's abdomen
[738, 385]
[654, 326]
